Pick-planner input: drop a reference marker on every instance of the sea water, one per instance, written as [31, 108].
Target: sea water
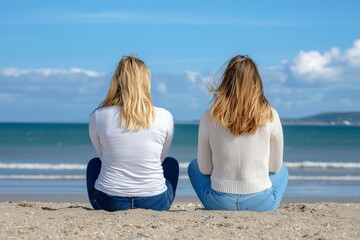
[323, 161]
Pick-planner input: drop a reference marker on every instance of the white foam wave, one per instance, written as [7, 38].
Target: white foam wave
[43, 177]
[182, 177]
[327, 178]
[44, 166]
[308, 164]
[182, 165]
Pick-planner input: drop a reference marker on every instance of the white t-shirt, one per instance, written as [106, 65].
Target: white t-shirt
[131, 161]
[240, 164]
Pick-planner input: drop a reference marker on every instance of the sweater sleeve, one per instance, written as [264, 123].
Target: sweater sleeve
[276, 144]
[169, 136]
[93, 135]
[204, 150]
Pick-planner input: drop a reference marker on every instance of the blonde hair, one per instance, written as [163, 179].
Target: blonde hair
[130, 89]
[239, 103]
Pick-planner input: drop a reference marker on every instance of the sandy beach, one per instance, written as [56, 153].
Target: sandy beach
[185, 220]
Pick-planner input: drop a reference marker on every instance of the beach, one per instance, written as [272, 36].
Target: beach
[43, 190]
[185, 220]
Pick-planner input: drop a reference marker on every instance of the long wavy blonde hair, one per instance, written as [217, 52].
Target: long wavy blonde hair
[239, 103]
[130, 89]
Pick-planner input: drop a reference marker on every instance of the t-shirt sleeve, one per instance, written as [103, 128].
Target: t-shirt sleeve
[204, 150]
[276, 144]
[169, 136]
[93, 135]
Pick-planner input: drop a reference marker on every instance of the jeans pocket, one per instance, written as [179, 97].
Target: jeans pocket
[260, 203]
[214, 203]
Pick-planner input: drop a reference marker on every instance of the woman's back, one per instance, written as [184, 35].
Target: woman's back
[131, 138]
[240, 150]
[131, 160]
[239, 164]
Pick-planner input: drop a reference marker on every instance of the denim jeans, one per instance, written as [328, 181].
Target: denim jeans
[163, 201]
[267, 200]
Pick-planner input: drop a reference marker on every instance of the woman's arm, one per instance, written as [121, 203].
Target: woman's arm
[204, 150]
[276, 144]
[169, 137]
[93, 135]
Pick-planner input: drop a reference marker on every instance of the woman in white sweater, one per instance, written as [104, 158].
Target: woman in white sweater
[240, 145]
[132, 139]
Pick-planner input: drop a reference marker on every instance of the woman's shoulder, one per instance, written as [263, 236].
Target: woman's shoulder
[108, 109]
[162, 113]
[276, 122]
[275, 114]
[105, 112]
[206, 118]
[205, 115]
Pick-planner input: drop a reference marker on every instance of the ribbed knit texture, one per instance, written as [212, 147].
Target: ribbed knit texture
[239, 164]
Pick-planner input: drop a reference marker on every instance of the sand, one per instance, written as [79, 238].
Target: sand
[42, 220]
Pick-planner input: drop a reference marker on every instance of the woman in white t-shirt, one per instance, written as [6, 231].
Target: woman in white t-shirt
[240, 145]
[132, 139]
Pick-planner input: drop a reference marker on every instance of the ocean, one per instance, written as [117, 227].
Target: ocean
[38, 158]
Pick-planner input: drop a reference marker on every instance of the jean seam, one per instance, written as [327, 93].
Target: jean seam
[93, 199]
[169, 199]
[209, 194]
[238, 203]
[256, 205]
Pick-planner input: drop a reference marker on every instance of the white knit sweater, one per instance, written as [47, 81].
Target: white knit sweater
[240, 164]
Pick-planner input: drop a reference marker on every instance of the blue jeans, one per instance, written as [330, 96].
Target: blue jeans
[163, 201]
[267, 200]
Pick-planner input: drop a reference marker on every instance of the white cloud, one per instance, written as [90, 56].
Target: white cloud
[199, 81]
[194, 103]
[44, 83]
[168, 18]
[352, 55]
[162, 88]
[331, 66]
[46, 72]
[10, 97]
[313, 65]
[274, 74]
[347, 102]
[315, 81]
[192, 77]
[89, 73]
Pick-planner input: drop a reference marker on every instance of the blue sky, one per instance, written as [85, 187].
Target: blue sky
[57, 57]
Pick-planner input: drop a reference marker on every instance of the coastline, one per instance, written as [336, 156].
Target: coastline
[42, 220]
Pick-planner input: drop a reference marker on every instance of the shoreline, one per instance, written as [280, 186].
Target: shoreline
[72, 198]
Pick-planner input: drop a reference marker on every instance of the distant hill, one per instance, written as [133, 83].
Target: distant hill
[330, 118]
[187, 122]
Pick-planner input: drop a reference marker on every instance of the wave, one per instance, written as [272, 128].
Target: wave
[182, 165]
[181, 177]
[44, 166]
[43, 177]
[324, 178]
[327, 178]
[308, 164]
